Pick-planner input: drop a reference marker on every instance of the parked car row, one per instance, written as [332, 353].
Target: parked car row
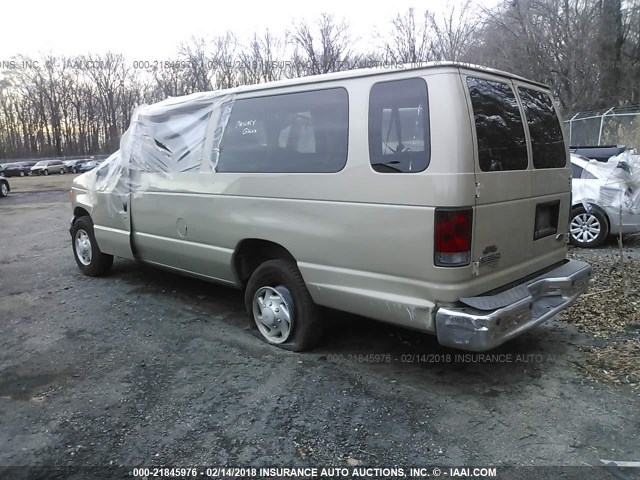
[43, 167]
[46, 167]
[18, 169]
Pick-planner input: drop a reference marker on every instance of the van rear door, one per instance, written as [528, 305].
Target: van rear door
[522, 178]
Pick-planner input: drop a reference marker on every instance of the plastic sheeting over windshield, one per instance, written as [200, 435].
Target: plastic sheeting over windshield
[180, 134]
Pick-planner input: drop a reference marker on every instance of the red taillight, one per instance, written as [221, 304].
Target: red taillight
[453, 237]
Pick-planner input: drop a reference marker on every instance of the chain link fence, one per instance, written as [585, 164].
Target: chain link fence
[615, 126]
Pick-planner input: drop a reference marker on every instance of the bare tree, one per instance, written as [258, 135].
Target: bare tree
[409, 39]
[108, 73]
[197, 63]
[324, 46]
[225, 60]
[611, 40]
[453, 31]
[262, 61]
[587, 50]
[552, 41]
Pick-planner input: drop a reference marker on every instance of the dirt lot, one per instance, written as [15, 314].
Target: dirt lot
[144, 367]
[41, 183]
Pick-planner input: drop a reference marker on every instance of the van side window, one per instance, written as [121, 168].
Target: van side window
[287, 133]
[499, 129]
[547, 144]
[399, 126]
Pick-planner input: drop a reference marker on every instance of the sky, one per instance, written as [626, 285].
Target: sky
[152, 30]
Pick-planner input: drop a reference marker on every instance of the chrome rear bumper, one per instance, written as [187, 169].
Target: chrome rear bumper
[482, 323]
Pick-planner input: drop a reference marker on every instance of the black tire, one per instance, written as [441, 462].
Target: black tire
[75, 170]
[580, 215]
[21, 173]
[99, 263]
[62, 171]
[4, 189]
[306, 327]
[46, 172]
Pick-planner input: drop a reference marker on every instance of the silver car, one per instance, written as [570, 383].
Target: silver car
[46, 167]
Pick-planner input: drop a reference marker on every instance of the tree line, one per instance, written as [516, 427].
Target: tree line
[588, 51]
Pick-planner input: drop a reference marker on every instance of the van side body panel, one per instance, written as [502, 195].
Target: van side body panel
[363, 240]
[109, 213]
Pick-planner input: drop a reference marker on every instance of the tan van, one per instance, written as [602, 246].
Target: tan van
[435, 198]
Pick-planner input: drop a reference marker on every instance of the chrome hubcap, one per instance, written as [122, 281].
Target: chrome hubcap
[585, 227]
[273, 313]
[83, 247]
[3, 189]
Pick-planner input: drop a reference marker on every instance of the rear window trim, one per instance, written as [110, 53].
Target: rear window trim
[427, 140]
[263, 93]
[547, 92]
[514, 88]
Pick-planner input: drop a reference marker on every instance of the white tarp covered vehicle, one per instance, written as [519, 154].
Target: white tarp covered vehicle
[606, 198]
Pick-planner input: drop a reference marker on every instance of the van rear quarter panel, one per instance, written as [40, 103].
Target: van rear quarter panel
[363, 240]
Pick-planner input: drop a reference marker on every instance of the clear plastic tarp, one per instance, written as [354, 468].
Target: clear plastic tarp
[615, 183]
[180, 134]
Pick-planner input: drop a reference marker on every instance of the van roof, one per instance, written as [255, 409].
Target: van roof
[381, 70]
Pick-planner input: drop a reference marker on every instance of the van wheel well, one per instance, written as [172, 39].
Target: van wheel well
[253, 252]
[79, 212]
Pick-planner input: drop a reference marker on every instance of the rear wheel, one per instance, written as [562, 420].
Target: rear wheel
[4, 189]
[588, 228]
[62, 171]
[89, 258]
[21, 173]
[281, 307]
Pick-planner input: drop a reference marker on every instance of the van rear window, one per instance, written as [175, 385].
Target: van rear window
[547, 144]
[399, 126]
[499, 129]
[292, 133]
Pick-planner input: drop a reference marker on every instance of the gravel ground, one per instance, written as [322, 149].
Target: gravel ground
[610, 312]
[41, 183]
[144, 367]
